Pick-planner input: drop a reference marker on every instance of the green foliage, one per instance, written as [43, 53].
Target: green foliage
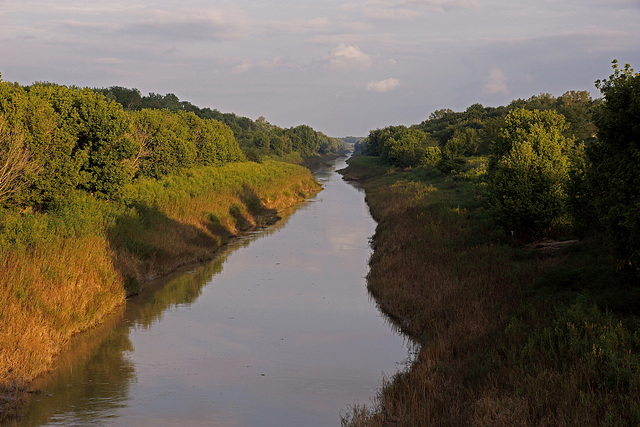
[130, 99]
[529, 172]
[463, 143]
[303, 139]
[258, 139]
[51, 170]
[78, 214]
[578, 108]
[594, 353]
[166, 142]
[402, 146]
[57, 139]
[99, 132]
[615, 157]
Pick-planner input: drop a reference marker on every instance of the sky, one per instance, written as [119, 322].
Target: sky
[342, 67]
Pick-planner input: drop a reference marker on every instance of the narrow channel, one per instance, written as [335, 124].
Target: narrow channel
[277, 331]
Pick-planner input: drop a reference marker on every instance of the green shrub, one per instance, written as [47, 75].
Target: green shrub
[529, 172]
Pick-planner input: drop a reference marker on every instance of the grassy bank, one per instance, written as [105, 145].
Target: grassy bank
[510, 335]
[63, 271]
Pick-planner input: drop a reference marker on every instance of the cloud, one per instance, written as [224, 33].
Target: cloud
[348, 57]
[243, 67]
[276, 62]
[404, 10]
[302, 26]
[496, 82]
[208, 24]
[383, 86]
[621, 4]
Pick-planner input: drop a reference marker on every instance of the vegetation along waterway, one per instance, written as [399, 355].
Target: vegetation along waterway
[278, 330]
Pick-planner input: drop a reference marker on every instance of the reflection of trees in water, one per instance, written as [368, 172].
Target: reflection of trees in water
[91, 381]
[183, 290]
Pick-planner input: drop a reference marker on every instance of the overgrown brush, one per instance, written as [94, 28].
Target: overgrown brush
[510, 336]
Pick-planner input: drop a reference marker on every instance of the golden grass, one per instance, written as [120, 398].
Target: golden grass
[55, 286]
[47, 294]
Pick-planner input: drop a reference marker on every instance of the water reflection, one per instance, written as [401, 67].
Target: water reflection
[285, 335]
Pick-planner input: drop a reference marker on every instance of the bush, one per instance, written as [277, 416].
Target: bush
[529, 172]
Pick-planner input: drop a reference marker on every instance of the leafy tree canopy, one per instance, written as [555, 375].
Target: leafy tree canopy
[614, 177]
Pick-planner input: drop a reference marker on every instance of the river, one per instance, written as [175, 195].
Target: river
[279, 330]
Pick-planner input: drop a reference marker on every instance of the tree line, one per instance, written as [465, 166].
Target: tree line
[556, 166]
[257, 138]
[56, 139]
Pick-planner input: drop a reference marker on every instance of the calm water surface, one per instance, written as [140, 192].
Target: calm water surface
[279, 331]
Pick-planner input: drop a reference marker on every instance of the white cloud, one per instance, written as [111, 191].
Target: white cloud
[496, 82]
[383, 86]
[387, 12]
[348, 57]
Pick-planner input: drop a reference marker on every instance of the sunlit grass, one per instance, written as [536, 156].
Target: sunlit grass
[64, 270]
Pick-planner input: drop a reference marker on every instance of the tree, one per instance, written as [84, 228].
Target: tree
[614, 177]
[97, 137]
[31, 125]
[169, 142]
[15, 162]
[529, 172]
[131, 99]
[577, 108]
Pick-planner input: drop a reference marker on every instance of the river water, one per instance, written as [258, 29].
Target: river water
[277, 331]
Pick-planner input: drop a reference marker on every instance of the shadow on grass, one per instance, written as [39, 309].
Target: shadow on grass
[145, 243]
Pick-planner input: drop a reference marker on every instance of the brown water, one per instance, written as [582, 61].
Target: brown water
[278, 331]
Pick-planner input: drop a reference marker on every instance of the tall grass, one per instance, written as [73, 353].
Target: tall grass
[510, 336]
[64, 270]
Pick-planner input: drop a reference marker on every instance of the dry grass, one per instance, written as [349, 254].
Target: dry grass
[451, 296]
[46, 295]
[57, 283]
[491, 354]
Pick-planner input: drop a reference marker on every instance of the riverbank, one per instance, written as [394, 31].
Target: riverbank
[65, 270]
[510, 335]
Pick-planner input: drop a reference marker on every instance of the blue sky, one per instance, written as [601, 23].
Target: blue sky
[342, 67]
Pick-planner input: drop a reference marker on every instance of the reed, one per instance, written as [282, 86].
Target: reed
[503, 342]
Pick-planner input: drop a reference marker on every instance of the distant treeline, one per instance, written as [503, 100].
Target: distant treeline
[447, 134]
[257, 138]
[556, 166]
[55, 139]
